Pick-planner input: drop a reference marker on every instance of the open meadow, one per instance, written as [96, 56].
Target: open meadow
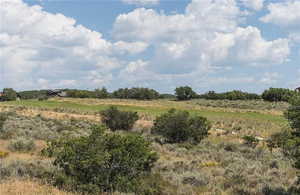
[221, 164]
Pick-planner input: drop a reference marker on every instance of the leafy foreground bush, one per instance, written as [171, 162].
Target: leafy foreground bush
[292, 142]
[118, 120]
[21, 144]
[105, 162]
[179, 126]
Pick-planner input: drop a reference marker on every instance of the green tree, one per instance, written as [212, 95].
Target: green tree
[136, 93]
[185, 93]
[179, 126]
[106, 162]
[118, 120]
[9, 95]
[278, 94]
[101, 93]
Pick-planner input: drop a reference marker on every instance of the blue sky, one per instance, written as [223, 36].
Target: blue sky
[216, 45]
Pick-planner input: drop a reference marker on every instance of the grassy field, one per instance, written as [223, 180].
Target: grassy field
[152, 108]
[261, 122]
[220, 164]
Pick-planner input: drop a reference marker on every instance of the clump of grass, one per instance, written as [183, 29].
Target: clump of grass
[3, 117]
[21, 144]
[42, 169]
[209, 164]
[3, 154]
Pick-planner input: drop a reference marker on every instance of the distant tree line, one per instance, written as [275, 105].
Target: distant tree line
[123, 93]
[279, 94]
[8, 94]
[231, 95]
[34, 94]
[181, 93]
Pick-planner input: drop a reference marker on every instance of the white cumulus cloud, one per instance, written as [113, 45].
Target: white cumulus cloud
[209, 33]
[253, 4]
[284, 14]
[150, 48]
[41, 48]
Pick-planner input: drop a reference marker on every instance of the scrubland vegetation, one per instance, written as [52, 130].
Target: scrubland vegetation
[120, 146]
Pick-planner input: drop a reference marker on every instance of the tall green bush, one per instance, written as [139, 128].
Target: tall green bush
[106, 162]
[118, 120]
[179, 126]
[289, 141]
[293, 116]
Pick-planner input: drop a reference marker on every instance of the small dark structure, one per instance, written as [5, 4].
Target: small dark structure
[297, 89]
[56, 93]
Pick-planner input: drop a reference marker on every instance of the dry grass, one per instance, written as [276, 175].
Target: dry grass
[20, 155]
[57, 115]
[220, 169]
[208, 168]
[28, 187]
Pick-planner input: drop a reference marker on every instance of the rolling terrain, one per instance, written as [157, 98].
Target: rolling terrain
[220, 164]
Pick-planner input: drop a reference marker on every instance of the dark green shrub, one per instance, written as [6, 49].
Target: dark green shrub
[279, 140]
[293, 113]
[250, 140]
[293, 116]
[185, 93]
[179, 126]
[106, 162]
[118, 120]
[290, 141]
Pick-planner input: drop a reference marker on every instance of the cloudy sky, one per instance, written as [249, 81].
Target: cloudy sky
[208, 44]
